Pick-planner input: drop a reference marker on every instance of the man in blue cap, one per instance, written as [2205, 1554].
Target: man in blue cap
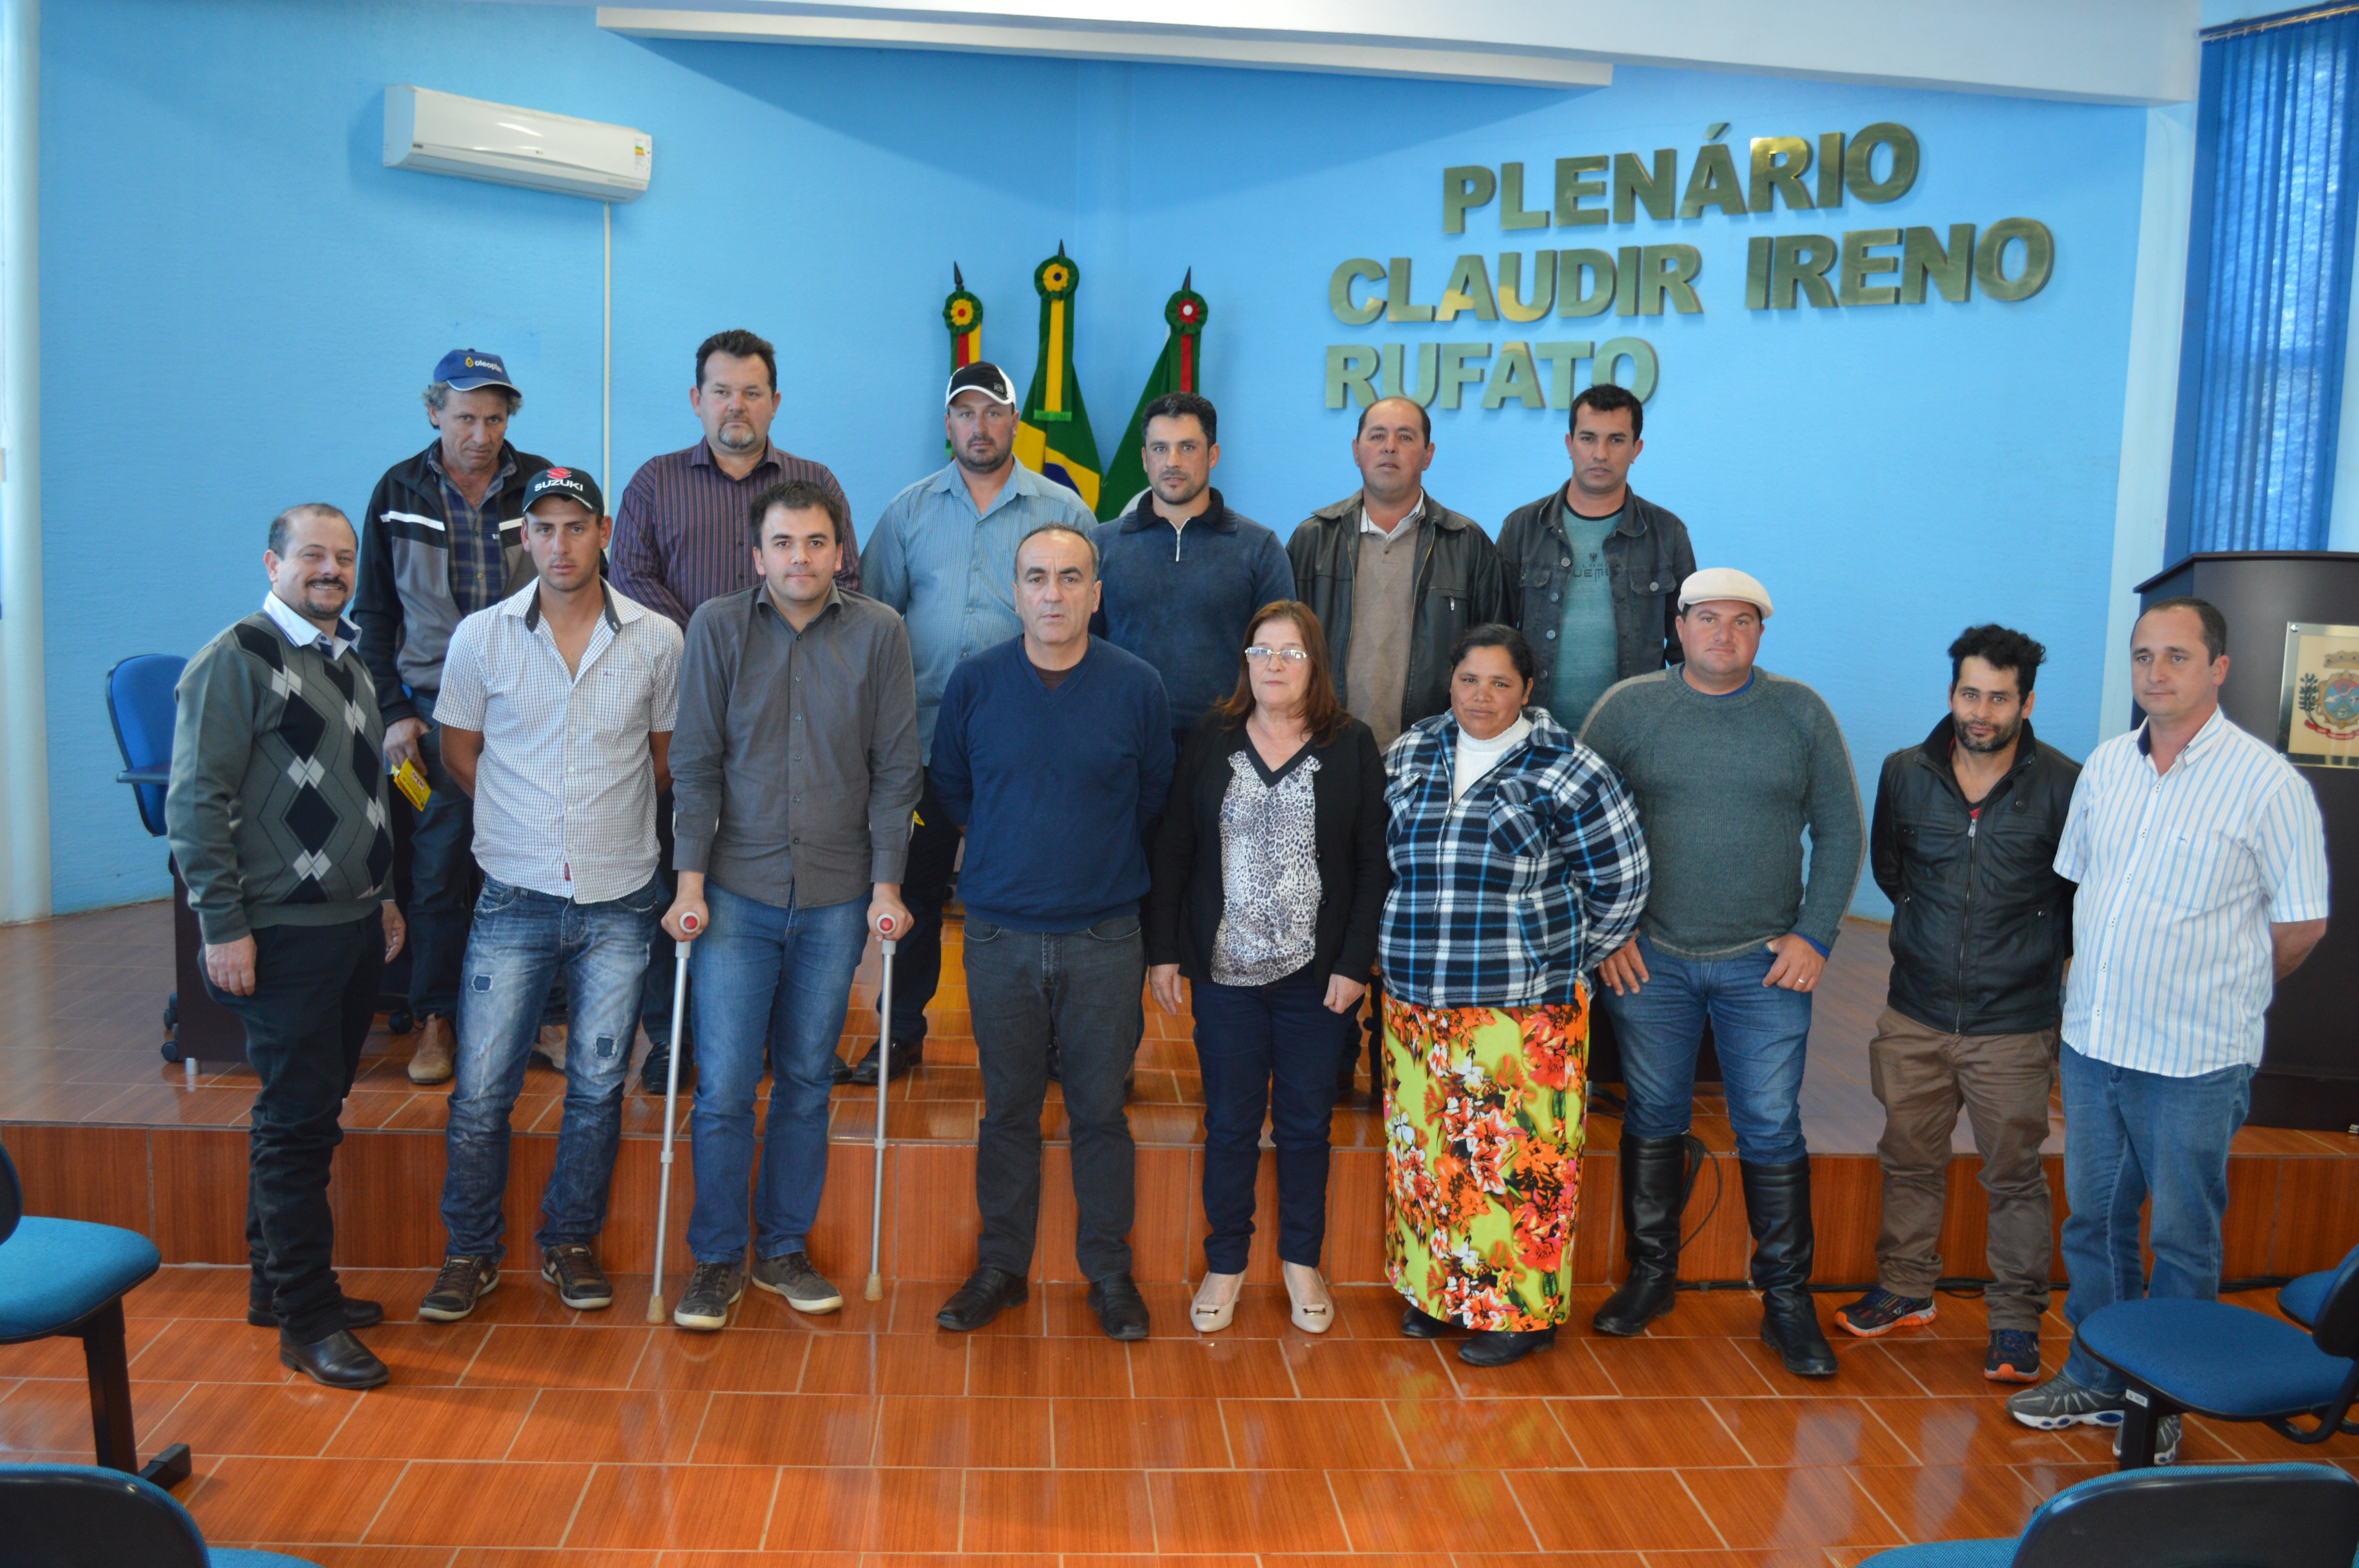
[441, 539]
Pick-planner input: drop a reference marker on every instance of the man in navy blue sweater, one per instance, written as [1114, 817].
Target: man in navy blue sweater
[1053, 751]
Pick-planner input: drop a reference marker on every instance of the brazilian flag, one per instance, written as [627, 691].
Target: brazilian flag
[1180, 369]
[1053, 438]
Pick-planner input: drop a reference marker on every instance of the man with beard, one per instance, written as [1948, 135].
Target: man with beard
[1184, 603]
[943, 555]
[1964, 844]
[276, 817]
[679, 539]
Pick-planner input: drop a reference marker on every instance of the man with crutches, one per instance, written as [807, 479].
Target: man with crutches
[556, 714]
[795, 768]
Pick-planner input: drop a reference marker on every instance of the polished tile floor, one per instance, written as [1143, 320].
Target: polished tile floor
[870, 1438]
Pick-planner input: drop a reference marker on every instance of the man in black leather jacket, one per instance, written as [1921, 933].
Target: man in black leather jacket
[1592, 568]
[1964, 844]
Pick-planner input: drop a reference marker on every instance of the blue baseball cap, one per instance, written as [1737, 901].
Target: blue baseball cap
[464, 369]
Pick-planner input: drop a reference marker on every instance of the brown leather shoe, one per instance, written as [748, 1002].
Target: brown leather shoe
[429, 1059]
[548, 1047]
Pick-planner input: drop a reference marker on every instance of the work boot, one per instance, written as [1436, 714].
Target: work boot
[1654, 1185]
[654, 1073]
[430, 1058]
[1778, 1208]
[906, 1055]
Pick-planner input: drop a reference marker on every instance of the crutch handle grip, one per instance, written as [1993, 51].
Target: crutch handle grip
[688, 922]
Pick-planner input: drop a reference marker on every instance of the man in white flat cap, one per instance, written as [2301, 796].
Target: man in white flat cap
[1730, 765]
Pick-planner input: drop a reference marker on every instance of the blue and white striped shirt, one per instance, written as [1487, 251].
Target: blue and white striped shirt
[2182, 875]
[951, 570]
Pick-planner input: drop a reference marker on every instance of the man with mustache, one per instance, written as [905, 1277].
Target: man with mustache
[441, 540]
[679, 539]
[1184, 571]
[943, 555]
[277, 816]
[1964, 844]
[1593, 569]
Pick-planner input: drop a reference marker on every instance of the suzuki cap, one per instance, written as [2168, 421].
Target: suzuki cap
[1723, 582]
[572, 482]
[464, 369]
[984, 377]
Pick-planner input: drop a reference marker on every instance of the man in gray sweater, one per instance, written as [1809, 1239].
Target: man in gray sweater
[1730, 765]
[276, 817]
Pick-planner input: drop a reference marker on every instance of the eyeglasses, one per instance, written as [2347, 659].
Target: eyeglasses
[1264, 655]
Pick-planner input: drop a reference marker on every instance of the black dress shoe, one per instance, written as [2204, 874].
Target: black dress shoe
[358, 1314]
[907, 1053]
[340, 1361]
[986, 1293]
[1417, 1323]
[1499, 1346]
[1122, 1311]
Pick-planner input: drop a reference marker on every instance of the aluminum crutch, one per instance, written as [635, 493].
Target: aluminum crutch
[875, 1290]
[687, 923]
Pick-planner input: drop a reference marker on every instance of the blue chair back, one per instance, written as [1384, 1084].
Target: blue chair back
[2200, 1516]
[81, 1515]
[2336, 1327]
[140, 700]
[12, 1199]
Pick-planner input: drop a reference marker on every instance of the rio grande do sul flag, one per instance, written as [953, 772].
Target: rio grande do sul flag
[1179, 369]
[1053, 438]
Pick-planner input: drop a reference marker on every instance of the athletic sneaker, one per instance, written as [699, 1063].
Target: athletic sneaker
[712, 1291]
[1880, 1311]
[463, 1282]
[2061, 1402]
[791, 1275]
[2014, 1357]
[2166, 1439]
[575, 1274]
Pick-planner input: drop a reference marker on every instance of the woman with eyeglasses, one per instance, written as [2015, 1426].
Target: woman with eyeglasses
[1269, 882]
[1517, 864]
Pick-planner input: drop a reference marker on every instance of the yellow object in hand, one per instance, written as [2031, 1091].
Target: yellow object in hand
[412, 783]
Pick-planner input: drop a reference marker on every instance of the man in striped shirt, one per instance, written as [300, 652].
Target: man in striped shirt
[679, 539]
[2202, 860]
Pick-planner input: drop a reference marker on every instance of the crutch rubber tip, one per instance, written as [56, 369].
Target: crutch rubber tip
[875, 1290]
[654, 1309]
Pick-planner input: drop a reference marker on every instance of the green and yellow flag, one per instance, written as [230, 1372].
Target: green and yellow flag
[1053, 439]
[1179, 369]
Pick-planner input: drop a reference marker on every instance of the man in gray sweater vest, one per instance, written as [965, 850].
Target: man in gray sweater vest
[276, 817]
[1730, 767]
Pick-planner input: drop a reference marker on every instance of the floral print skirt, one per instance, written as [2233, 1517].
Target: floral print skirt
[1483, 1116]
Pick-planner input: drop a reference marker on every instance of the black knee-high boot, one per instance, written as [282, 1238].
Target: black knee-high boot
[1777, 1207]
[1654, 1184]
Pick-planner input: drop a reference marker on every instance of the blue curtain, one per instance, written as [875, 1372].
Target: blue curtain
[2270, 283]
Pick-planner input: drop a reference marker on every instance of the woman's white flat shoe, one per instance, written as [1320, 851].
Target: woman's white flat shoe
[1314, 1309]
[1216, 1301]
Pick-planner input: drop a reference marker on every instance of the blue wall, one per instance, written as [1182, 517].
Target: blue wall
[240, 304]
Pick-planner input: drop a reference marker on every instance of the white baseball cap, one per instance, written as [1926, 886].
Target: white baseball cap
[1723, 582]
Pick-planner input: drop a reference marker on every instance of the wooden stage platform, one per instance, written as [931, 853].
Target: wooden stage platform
[102, 1128]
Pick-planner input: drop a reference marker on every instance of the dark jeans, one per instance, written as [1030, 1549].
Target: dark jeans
[2128, 1136]
[442, 880]
[523, 940]
[314, 998]
[663, 954]
[1084, 985]
[925, 888]
[1272, 1049]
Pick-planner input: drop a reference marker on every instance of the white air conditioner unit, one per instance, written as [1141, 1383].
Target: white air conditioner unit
[442, 133]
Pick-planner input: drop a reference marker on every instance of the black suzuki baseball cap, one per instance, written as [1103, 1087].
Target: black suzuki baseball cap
[574, 482]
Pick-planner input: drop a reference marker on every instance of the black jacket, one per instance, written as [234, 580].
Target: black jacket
[1183, 911]
[1980, 921]
[403, 604]
[1648, 556]
[1458, 585]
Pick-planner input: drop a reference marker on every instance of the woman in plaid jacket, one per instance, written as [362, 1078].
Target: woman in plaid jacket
[1517, 864]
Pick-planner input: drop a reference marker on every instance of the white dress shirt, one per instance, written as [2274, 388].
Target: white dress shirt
[565, 791]
[302, 632]
[2182, 876]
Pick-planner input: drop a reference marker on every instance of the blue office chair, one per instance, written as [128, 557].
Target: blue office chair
[72, 1516]
[2299, 1299]
[2231, 1363]
[2203, 1515]
[68, 1277]
[141, 703]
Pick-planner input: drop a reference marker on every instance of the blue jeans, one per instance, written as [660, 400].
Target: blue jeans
[1083, 988]
[1760, 1031]
[769, 987]
[1273, 1049]
[2128, 1134]
[520, 943]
